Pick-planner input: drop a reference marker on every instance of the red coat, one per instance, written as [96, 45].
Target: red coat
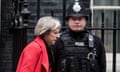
[34, 57]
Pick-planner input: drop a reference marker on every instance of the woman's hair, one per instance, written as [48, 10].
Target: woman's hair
[45, 24]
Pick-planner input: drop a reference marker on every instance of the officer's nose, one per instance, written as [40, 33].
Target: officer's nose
[76, 21]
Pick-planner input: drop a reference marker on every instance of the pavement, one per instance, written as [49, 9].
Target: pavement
[109, 59]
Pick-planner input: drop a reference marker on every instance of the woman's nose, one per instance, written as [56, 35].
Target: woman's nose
[58, 35]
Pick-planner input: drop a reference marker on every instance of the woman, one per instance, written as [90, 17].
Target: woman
[37, 55]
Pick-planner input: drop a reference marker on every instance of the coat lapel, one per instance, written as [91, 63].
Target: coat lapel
[45, 61]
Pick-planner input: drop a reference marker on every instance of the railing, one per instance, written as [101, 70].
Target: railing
[19, 28]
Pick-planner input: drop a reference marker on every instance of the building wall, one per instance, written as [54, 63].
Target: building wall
[6, 37]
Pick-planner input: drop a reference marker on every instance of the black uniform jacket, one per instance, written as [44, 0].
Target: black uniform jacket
[100, 51]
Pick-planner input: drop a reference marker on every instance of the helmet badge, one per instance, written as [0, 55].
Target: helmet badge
[76, 7]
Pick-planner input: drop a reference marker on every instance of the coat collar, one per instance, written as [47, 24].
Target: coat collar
[45, 61]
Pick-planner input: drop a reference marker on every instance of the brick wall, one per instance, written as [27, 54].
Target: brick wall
[6, 37]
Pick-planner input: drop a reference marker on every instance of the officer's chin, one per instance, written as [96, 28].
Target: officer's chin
[78, 30]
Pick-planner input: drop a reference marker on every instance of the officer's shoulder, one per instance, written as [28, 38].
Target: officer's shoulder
[96, 38]
[64, 33]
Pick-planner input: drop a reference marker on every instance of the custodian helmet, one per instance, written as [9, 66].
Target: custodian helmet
[77, 10]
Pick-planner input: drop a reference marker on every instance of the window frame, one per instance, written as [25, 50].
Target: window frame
[102, 7]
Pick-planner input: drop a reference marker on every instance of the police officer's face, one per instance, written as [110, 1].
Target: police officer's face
[77, 24]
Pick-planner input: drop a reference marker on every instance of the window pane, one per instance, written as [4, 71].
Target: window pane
[108, 23]
[106, 2]
[108, 35]
[118, 32]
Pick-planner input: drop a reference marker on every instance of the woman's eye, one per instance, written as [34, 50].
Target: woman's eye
[56, 32]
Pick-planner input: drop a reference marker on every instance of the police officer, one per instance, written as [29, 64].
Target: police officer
[78, 50]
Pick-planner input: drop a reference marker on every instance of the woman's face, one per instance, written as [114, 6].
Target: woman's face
[52, 36]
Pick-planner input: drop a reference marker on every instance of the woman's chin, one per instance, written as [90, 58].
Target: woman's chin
[51, 43]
